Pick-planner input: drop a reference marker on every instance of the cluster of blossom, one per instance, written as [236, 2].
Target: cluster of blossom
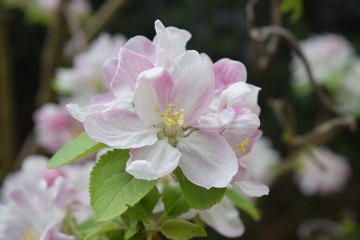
[36, 200]
[175, 108]
[44, 10]
[54, 126]
[321, 171]
[335, 66]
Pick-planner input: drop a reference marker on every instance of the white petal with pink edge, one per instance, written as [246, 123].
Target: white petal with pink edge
[120, 128]
[251, 187]
[241, 95]
[194, 84]
[224, 218]
[170, 43]
[228, 71]
[207, 160]
[142, 46]
[127, 72]
[109, 69]
[153, 92]
[153, 162]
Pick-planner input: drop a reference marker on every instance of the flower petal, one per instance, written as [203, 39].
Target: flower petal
[194, 84]
[129, 68]
[170, 43]
[109, 69]
[215, 121]
[251, 187]
[241, 95]
[228, 71]
[153, 162]
[241, 129]
[142, 46]
[154, 91]
[224, 218]
[207, 160]
[120, 128]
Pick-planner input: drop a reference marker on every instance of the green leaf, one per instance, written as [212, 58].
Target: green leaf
[294, 7]
[112, 190]
[174, 201]
[244, 204]
[74, 150]
[101, 228]
[181, 229]
[143, 209]
[132, 229]
[198, 197]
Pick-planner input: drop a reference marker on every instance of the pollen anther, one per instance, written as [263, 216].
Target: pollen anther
[242, 145]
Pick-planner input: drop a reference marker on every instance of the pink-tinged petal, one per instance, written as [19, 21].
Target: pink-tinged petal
[251, 187]
[63, 193]
[153, 162]
[228, 71]
[241, 95]
[242, 173]
[170, 43]
[194, 84]
[142, 46]
[252, 139]
[80, 113]
[103, 98]
[215, 121]
[129, 68]
[224, 218]
[207, 160]
[17, 196]
[153, 92]
[109, 69]
[53, 232]
[238, 132]
[120, 128]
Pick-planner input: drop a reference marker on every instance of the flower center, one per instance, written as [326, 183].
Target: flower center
[29, 234]
[173, 120]
[242, 145]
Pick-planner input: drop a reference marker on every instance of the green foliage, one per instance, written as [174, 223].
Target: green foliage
[294, 7]
[143, 209]
[180, 229]
[198, 197]
[174, 201]
[76, 149]
[112, 190]
[101, 228]
[244, 204]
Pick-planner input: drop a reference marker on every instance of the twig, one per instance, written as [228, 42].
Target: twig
[102, 17]
[7, 101]
[324, 130]
[265, 32]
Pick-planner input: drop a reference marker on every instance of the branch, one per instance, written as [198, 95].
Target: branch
[102, 17]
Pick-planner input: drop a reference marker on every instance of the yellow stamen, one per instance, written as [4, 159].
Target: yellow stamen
[172, 118]
[242, 145]
[29, 235]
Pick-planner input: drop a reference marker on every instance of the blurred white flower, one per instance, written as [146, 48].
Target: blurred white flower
[321, 171]
[348, 95]
[54, 127]
[35, 200]
[262, 160]
[85, 80]
[329, 56]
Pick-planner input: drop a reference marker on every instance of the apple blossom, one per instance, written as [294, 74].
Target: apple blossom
[84, 79]
[321, 172]
[329, 56]
[54, 127]
[36, 200]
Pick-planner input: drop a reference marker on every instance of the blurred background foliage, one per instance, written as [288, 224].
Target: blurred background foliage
[218, 28]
